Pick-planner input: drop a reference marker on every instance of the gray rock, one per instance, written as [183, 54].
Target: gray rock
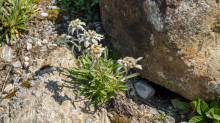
[54, 7]
[8, 88]
[21, 89]
[65, 17]
[109, 114]
[132, 93]
[26, 64]
[44, 48]
[57, 27]
[45, 41]
[17, 64]
[97, 25]
[34, 92]
[86, 28]
[182, 116]
[39, 42]
[89, 17]
[49, 7]
[16, 78]
[6, 53]
[32, 83]
[50, 23]
[34, 39]
[144, 90]
[49, 31]
[98, 29]
[44, 14]
[63, 7]
[29, 40]
[4, 103]
[28, 46]
[20, 95]
[169, 107]
[88, 121]
[26, 59]
[91, 25]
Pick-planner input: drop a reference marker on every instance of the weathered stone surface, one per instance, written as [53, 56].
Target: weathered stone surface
[52, 96]
[179, 40]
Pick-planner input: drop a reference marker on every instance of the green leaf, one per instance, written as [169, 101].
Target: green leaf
[182, 106]
[193, 105]
[198, 119]
[106, 53]
[215, 121]
[218, 100]
[213, 113]
[202, 107]
[214, 104]
[132, 75]
[91, 65]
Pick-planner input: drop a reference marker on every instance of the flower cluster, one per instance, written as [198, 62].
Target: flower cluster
[91, 37]
[95, 51]
[129, 62]
[76, 25]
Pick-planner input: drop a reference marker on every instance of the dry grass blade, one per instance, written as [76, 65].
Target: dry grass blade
[6, 79]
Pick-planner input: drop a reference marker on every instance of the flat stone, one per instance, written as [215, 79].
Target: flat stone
[17, 64]
[65, 17]
[8, 88]
[6, 53]
[29, 40]
[26, 64]
[57, 27]
[26, 59]
[45, 41]
[44, 48]
[98, 29]
[44, 14]
[144, 90]
[89, 17]
[28, 46]
[4, 103]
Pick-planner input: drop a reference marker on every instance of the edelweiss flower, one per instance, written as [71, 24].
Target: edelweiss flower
[76, 25]
[91, 37]
[129, 62]
[95, 51]
[63, 38]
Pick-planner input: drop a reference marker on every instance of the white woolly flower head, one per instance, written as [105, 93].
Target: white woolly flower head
[63, 39]
[129, 62]
[91, 37]
[76, 25]
[95, 51]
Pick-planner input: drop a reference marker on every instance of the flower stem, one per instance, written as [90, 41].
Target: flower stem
[123, 77]
[77, 33]
[100, 70]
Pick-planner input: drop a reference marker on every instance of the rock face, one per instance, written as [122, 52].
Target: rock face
[179, 40]
[52, 96]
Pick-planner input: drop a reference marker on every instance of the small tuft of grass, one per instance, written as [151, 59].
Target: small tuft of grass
[11, 94]
[45, 67]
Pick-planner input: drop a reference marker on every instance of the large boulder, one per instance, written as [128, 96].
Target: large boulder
[179, 40]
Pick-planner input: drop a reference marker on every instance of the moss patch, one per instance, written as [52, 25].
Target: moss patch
[11, 94]
[118, 119]
[26, 84]
[45, 67]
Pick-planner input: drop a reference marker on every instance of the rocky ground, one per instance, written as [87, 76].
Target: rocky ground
[34, 88]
